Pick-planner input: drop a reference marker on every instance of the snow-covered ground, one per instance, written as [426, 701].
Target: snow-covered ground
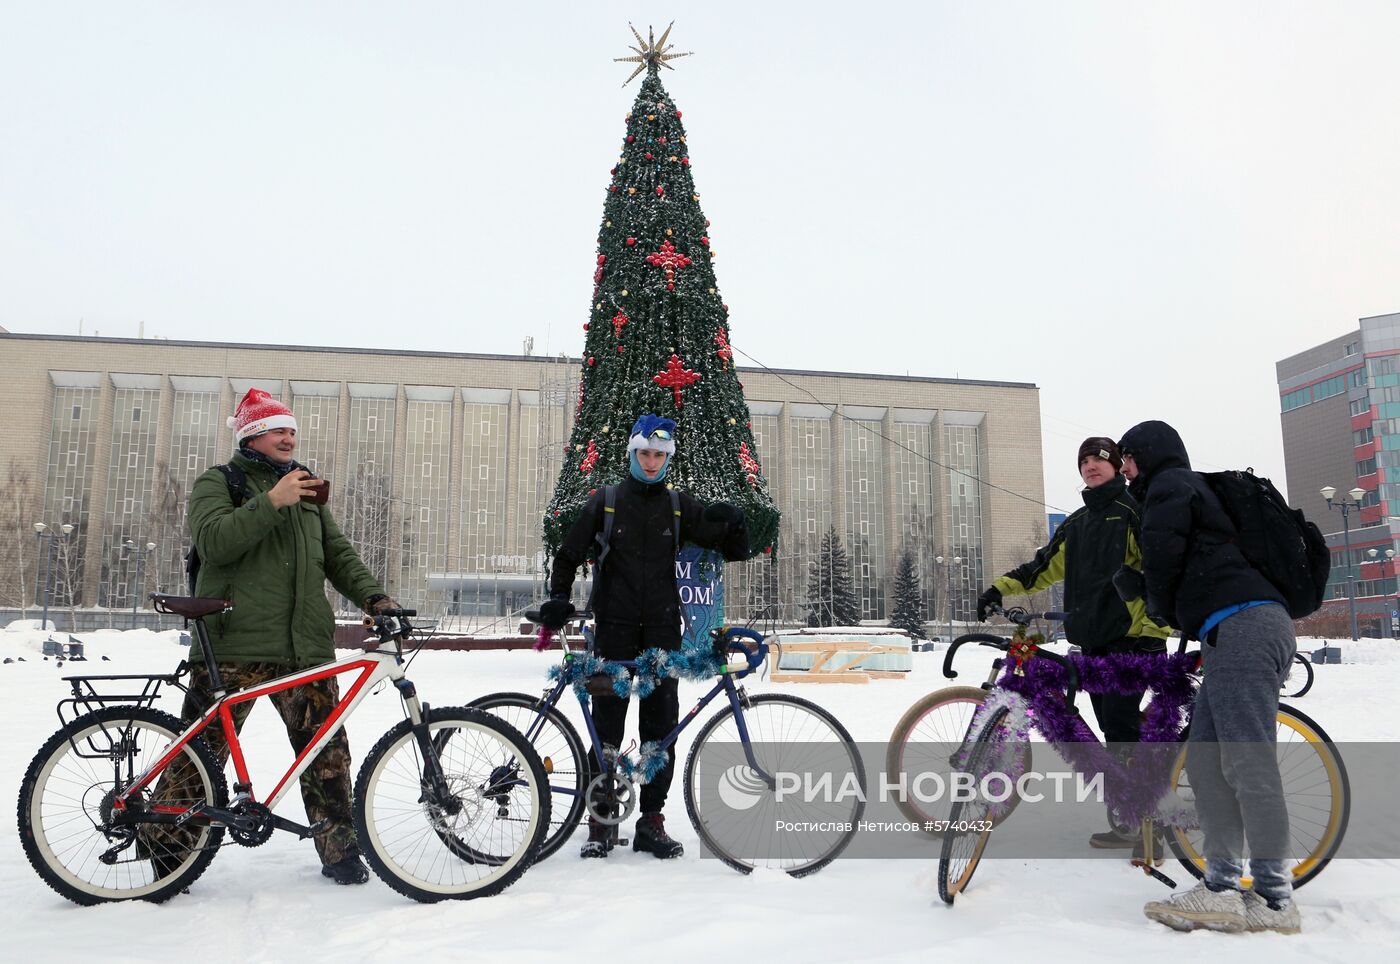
[271, 904]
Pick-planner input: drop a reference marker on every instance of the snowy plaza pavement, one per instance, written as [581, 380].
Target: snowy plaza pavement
[271, 904]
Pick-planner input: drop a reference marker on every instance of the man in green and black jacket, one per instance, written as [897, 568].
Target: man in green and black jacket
[269, 546]
[1088, 549]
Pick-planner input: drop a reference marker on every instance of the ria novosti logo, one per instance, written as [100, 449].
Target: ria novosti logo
[740, 787]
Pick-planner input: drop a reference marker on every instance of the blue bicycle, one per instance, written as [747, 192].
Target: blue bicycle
[739, 774]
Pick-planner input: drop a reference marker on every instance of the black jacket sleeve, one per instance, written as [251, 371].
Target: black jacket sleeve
[574, 550]
[730, 541]
[1167, 521]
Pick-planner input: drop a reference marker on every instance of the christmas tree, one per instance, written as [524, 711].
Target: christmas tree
[908, 602]
[831, 595]
[657, 335]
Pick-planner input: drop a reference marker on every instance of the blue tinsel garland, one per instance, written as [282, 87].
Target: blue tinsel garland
[695, 660]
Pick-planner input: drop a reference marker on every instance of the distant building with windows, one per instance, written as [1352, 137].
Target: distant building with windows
[441, 465]
[1340, 404]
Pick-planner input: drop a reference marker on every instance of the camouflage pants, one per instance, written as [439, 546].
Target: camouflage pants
[325, 784]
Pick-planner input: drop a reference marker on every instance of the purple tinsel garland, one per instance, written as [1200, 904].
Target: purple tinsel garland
[1134, 791]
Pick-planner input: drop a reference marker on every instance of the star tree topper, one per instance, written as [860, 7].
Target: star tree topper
[651, 54]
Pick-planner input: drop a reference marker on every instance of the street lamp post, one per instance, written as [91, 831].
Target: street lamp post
[1328, 491]
[1385, 593]
[136, 595]
[947, 565]
[41, 532]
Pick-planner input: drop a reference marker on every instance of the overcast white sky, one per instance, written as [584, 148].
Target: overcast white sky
[1140, 207]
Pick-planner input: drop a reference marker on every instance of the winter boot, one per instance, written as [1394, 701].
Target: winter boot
[1114, 838]
[600, 840]
[1200, 907]
[349, 869]
[652, 838]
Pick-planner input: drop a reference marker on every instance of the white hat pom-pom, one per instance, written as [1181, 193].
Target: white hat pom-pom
[231, 422]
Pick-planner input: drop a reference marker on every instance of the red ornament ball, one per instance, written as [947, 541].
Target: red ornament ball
[585, 326]
[602, 259]
[660, 190]
[631, 139]
[685, 162]
[661, 140]
[591, 360]
[649, 155]
[631, 242]
[619, 349]
[678, 113]
[705, 241]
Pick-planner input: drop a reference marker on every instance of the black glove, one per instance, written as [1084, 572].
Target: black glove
[990, 597]
[724, 513]
[1129, 583]
[556, 612]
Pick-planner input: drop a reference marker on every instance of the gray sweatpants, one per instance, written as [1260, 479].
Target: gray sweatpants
[1231, 758]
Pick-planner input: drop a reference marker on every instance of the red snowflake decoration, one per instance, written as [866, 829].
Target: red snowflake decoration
[676, 376]
[749, 464]
[670, 259]
[590, 458]
[618, 320]
[725, 353]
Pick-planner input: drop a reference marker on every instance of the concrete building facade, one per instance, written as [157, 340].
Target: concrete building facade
[441, 466]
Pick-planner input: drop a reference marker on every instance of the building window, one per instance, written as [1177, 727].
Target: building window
[1362, 437]
[1358, 405]
[1365, 467]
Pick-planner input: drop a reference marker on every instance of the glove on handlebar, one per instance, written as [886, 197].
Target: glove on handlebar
[990, 597]
[554, 613]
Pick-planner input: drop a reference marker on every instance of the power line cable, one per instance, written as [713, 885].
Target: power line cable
[920, 455]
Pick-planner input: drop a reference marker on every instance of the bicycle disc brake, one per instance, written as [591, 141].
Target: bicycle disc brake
[255, 827]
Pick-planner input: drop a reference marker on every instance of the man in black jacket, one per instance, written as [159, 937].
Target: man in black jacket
[1087, 551]
[636, 603]
[1199, 581]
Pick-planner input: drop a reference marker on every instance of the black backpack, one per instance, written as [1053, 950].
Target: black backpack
[1275, 539]
[238, 492]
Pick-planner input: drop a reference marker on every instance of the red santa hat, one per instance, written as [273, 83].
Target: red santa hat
[259, 412]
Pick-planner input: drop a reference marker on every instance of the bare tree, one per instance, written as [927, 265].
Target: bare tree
[19, 510]
[165, 525]
[363, 512]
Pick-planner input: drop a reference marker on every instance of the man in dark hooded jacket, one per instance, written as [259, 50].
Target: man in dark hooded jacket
[1198, 580]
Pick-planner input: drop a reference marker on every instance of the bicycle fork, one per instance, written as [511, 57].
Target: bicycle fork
[435, 791]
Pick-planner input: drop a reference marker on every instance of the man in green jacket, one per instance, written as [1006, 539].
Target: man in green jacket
[1085, 554]
[270, 549]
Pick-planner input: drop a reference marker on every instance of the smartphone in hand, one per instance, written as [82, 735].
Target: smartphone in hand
[320, 492]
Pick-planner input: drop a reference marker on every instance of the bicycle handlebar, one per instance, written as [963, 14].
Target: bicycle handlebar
[391, 624]
[1003, 644]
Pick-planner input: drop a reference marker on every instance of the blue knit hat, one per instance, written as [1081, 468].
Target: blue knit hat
[653, 432]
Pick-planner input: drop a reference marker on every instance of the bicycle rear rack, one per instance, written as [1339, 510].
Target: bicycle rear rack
[92, 693]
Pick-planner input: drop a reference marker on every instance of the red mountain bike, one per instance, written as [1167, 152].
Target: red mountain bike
[127, 802]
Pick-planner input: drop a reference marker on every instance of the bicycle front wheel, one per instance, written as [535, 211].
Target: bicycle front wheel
[738, 816]
[1300, 677]
[561, 750]
[477, 841]
[1315, 789]
[81, 845]
[969, 821]
[922, 745]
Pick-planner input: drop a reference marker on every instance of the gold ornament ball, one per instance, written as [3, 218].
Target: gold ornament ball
[605, 430]
[578, 448]
[651, 117]
[624, 292]
[631, 190]
[731, 421]
[668, 232]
